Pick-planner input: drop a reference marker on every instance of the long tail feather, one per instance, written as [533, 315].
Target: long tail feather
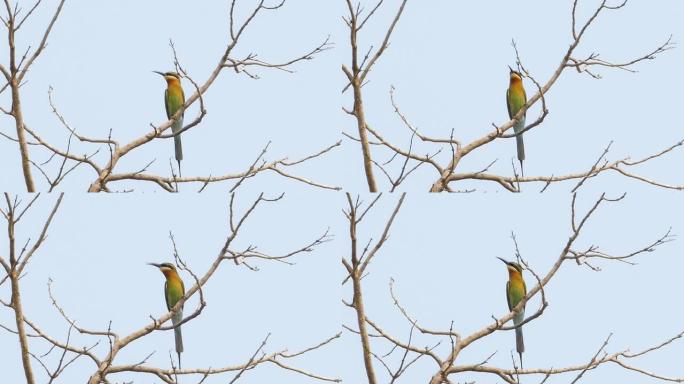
[179, 337]
[179, 340]
[519, 344]
[520, 143]
[179, 148]
[177, 126]
[521, 147]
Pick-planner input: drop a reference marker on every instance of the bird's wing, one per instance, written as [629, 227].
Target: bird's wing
[166, 103]
[166, 295]
[524, 101]
[182, 103]
[511, 99]
[508, 103]
[508, 295]
[177, 103]
[182, 292]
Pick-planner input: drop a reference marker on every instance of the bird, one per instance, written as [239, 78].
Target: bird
[515, 100]
[174, 290]
[174, 99]
[516, 291]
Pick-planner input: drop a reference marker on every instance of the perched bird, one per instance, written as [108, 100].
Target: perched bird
[174, 290]
[516, 291]
[174, 99]
[515, 100]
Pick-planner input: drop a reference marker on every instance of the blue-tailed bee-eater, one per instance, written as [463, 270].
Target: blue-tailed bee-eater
[174, 290]
[174, 99]
[516, 291]
[515, 100]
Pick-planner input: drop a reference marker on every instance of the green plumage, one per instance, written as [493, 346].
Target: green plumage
[515, 100]
[515, 292]
[174, 291]
[174, 99]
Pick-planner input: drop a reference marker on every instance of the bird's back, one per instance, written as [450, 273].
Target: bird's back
[515, 291]
[173, 291]
[174, 99]
[515, 98]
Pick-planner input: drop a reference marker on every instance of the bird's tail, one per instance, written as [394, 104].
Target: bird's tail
[521, 149]
[179, 337]
[179, 148]
[177, 126]
[519, 344]
[179, 340]
[519, 126]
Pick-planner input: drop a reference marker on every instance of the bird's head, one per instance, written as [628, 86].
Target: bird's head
[169, 76]
[512, 266]
[514, 75]
[165, 268]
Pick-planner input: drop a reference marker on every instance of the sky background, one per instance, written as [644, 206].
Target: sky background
[448, 63]
[441, 254]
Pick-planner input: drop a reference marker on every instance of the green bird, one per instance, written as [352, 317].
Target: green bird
[515, 100]
[174, 99]
[174, 290]
[516, 291]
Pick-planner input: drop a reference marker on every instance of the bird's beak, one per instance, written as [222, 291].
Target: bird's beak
[162, 73]
[154, 265]
[509, 68]
[504, 260]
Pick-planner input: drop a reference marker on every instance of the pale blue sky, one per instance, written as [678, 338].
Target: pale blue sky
[441, 253]
[100, 274]
[448, 62]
